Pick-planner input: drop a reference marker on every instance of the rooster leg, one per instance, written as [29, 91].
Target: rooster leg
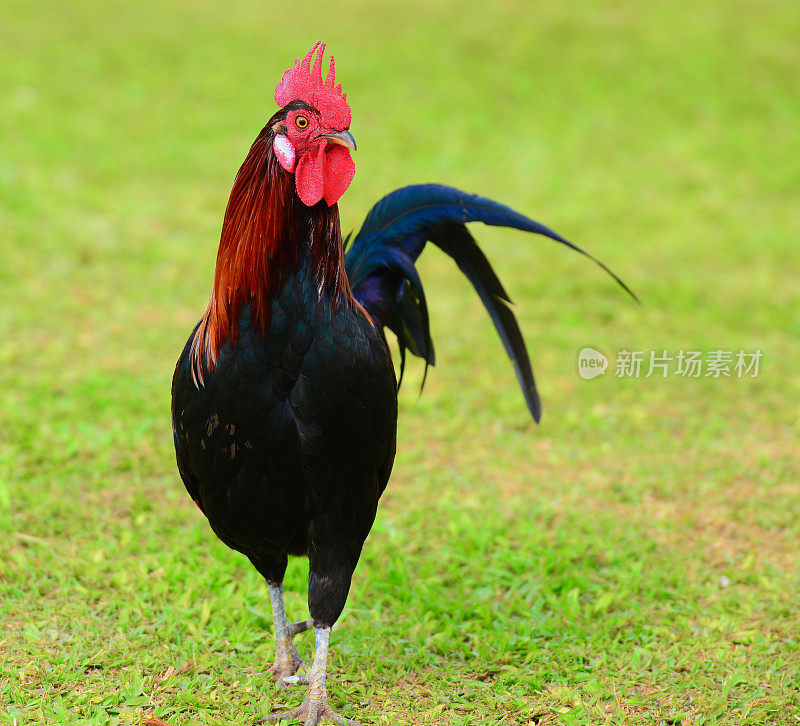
[287, 659]
[315, 707]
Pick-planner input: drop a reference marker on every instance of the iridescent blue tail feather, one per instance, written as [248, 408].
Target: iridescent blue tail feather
[383, 277]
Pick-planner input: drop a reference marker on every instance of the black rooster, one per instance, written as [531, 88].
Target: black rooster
[284, 403]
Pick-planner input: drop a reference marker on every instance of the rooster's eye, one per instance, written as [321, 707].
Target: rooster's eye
[301, 122]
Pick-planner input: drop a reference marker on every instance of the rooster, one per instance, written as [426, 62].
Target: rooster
[284, 399]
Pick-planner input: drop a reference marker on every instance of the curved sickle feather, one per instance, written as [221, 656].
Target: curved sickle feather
[415, 210]
[380, 266]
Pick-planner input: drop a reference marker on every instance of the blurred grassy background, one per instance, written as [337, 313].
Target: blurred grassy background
[632, 560]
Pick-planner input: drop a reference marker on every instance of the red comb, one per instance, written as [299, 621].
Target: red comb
[304, 83]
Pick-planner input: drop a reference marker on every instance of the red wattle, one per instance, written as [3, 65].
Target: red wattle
[310, 175]
[339, 172]
[324, 173]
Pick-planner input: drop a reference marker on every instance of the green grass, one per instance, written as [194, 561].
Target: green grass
[632, 560]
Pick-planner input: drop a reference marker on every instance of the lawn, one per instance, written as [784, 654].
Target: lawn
[631, 560]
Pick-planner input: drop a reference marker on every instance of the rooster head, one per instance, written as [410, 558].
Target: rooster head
[313, 141]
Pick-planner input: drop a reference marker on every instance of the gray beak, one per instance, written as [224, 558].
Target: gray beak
[344, 138]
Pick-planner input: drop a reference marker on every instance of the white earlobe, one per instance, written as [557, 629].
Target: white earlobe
[285, 152]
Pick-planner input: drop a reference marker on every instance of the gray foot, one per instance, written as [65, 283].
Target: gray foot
[311, 712]
[287, 659]
[315, 707]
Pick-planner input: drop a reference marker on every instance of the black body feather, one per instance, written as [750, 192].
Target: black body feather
[289, 443]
